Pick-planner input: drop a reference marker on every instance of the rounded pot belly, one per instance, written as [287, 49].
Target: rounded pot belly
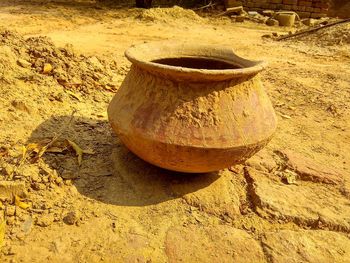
[192, 126]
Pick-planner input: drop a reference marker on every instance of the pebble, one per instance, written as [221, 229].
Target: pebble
[38, 186]
[27, 225]
[24, 63]
[71, 218]
[47, 68]
[68, 182]
[59, 181]
[10, 220]
[45, 220]
[20, 105]
[36, 178]
[10, 210]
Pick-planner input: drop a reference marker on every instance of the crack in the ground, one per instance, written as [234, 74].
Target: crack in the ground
[258, 208]
[264, 247]
[253, 199]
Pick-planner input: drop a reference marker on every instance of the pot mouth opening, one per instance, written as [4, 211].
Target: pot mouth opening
[197, 62]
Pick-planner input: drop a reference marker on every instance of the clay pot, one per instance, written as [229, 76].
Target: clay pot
[192, 108]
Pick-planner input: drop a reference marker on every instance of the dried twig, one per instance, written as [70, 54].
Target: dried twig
[211, 4]
[56, 137]
[312, 30]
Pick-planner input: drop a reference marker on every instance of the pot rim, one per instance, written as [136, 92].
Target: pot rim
[142, 56]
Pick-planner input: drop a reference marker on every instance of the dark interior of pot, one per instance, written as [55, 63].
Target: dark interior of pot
[197, 63]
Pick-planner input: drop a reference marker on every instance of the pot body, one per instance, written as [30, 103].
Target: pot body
[191, 125]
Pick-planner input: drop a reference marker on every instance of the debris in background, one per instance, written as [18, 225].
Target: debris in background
[233, 10]
[168, 15]
[286, 18]
[68, 68]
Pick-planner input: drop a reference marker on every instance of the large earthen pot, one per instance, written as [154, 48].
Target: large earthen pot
[192, 108]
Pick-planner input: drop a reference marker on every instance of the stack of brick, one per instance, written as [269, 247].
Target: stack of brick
[304, 8]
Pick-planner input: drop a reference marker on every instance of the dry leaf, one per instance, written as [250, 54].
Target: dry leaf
[24, 152]
[79, 151]
[33, 147]
[20, 203]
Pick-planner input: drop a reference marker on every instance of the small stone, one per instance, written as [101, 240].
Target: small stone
[309, 21]
[95, 63]
[36, 178]
[10, 211]
[29, 171]
[24, 63]
[45, 179]
[45, 220]
[20, 105]
[10, 221]
[6, 169]
[68, 182]
[71, 218]
[60, 96]
[59, 181]
[27, 224]
[38, 186]
[9, 251]
[47, 68]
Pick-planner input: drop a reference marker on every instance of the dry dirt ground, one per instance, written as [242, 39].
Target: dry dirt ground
[289, 203]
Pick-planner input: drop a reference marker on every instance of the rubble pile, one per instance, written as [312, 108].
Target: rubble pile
[304, 8]
[68, 68]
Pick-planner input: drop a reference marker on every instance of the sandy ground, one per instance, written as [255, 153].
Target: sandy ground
[117, 208]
